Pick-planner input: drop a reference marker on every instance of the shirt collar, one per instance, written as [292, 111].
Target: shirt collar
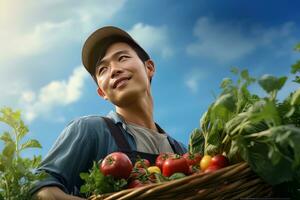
[118, 119]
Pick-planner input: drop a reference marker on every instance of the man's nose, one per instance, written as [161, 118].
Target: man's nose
[115, 70]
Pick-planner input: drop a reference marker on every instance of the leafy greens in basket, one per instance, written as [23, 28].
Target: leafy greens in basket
[262, 131]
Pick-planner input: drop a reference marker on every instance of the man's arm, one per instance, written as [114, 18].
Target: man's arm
[53, 193]
[73, 152]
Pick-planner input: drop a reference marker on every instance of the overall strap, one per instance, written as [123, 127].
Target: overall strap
[123, 145]
[176, 147]
[117, 134]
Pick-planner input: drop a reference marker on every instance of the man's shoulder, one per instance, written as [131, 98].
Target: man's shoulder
[88, 120]
[86, 125]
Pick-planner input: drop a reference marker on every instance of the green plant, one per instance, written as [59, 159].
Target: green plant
[16, 173]
[262, 131]
[97, 183]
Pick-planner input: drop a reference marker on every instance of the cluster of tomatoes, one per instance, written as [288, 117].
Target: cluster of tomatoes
[168, 166]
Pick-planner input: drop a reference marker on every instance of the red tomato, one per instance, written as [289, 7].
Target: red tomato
[212, 168]
[192, 159]
[142, 163]
[137, 183]
[220, 161]
[161, 159]
[175, 164]
[152, 178]
[116, 164]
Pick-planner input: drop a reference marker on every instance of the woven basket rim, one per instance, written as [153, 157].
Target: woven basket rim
[199, 184]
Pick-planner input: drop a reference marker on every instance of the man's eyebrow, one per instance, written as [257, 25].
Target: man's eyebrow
[116, 54]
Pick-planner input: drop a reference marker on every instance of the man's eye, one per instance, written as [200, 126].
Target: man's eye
[102, 69]
[123, 57]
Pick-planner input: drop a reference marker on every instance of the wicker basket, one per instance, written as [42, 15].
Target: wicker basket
[233, 182]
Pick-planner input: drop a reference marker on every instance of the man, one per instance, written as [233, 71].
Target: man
[123, 72]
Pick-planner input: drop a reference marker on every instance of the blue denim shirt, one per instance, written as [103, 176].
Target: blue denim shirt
[83, 141]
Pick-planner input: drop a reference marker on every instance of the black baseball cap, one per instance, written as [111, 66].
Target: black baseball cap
[92, 46]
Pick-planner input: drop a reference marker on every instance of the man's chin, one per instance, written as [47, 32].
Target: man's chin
[126, 99]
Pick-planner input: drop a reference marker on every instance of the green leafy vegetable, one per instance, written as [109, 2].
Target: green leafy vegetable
[177, 175]
[272, 84]
[97, 183]
[196, 143]
[262, 131]
[277, 148]
[16, 173]
[297, 47]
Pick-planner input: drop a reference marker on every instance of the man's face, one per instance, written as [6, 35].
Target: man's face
[121, 75]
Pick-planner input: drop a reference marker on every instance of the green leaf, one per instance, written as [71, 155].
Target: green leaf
[18, 171]
[6, 137]
[271, 83]
[20, 167]
[214, 137]
[211, 149]
[234, 70]
[196, 142]
[97, 183]
[259, 161]
[9, 149]
[288, 137]
[10, 117]
[205, 121]
[226, 82]
[85, 189]
[119, 184]
[227, 101]
[234, 152]
[84, 176]
[233, 125]
[160, 178]
[295, 100]
[177, 175]
[297, 47]
[295, 67]
[31, 144]
[245, 75]
[297, 79]
[274, 154]
[264, 111]
[278, 145]
[36, 161]
[2, 166]
[22, 130]
[244, 98]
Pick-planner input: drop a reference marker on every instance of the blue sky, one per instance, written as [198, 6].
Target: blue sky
[193, 44]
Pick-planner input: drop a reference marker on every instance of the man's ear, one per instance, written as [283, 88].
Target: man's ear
[150, 68]
[101, 93]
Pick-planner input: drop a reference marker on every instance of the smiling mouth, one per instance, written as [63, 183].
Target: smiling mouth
[120, 82]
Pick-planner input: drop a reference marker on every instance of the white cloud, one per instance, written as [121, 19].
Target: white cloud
[44, 36]
[54, 94]
[32, 28]
[32, 33]
[193, 78]
[224, 41]
[28, 96]
[152, 38]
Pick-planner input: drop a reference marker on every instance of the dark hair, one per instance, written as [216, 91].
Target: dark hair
[100, 51]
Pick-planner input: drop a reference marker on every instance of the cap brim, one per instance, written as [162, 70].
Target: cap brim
[94, 39]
